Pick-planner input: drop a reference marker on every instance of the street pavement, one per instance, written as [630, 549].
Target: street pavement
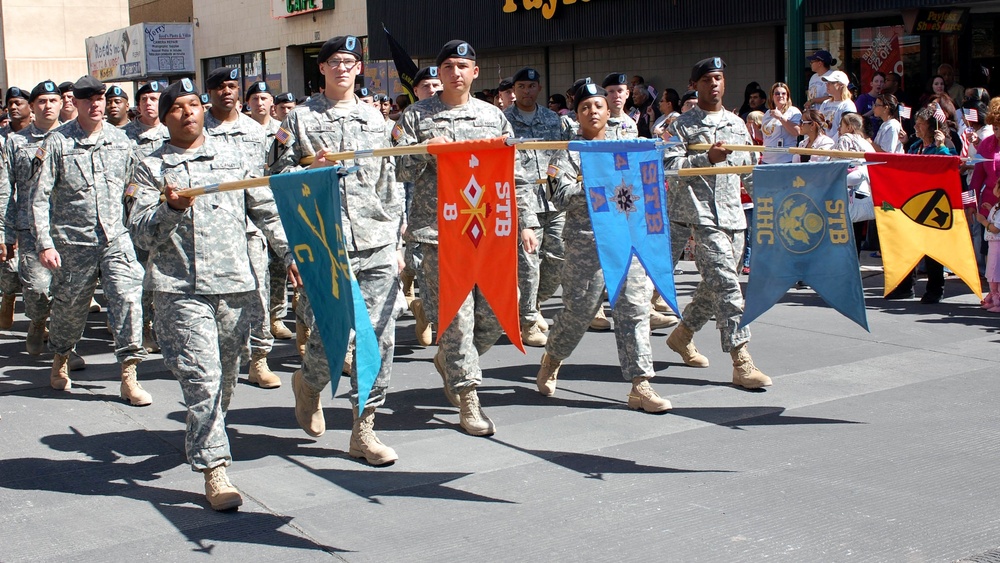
[879, 446]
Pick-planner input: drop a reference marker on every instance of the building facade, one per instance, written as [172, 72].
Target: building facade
[29, 56]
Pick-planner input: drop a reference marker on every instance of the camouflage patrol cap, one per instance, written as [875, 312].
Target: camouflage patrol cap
[220, 75]
[181, 88]
[43, 88]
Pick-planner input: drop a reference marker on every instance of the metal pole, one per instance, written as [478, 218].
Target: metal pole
[796, 38]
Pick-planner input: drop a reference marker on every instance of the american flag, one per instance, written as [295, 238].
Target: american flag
[971, 114]
[905, 112]
[940, 115]
[282, 135]
[969, 197]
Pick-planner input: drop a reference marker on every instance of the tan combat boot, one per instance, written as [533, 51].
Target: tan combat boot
[425, 335]
[680, 341]
[643, 397]
[548, 372]
[131, 391]
[745, 374]
[471, 416]
[364, 442]
[76, 361]
[35, 343]
[308, 411]
[662, 320]
[279, 330]
[542, 324]
[260, 374]
[600, 321]
[221, 494]
[59, 376]
[95, 307]
[148, 340]
[406, 280]
[531, 335]
[439, 366]
[7, 311]
[301, 337]
[659, 303]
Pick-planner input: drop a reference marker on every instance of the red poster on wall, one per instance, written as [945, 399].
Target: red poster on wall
[880, 52]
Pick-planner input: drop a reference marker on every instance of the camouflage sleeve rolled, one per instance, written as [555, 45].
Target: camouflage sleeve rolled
[675, 157]
[567, 187]
[150, 222]
[6, 195]
[45, 179]
[262, 210]
[289, 153]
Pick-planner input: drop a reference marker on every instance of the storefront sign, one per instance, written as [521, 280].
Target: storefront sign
[940, 21]
[141, 50]
[287, 8]
[880, 52]
[548, 7]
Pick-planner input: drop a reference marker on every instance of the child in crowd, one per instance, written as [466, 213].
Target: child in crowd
[991, 233]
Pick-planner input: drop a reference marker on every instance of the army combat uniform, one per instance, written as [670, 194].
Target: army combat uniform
[371, 207]
[200, 273]
[77, 209]
[277, 274]
[146, 138]
[540, 272]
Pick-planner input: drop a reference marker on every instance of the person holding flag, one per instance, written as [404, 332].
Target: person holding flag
[708, 208]
[583, 277]
[371, 212]
[454, 115]
[199, 268]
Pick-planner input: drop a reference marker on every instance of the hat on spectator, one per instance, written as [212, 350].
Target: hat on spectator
[837, 76]
[43, 88]
[87, 86]
[181, 88]
[824, 56]
[455, 48]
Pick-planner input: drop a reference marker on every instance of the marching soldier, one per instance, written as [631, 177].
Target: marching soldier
[283, 103]
[620, 125]
[15, 204]
[18, 110]
[453, 115]
[68, 111]
[708, 208]
[538, 272]
[371, 208]
[117, 106]
[10, 283]
[583, 279]
[198, 269]
[223, 120]
[80, 235]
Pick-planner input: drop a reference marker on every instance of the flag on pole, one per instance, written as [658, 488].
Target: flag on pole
[802, 231]
[627, 202]
[309, 205]
[905, 111]
[405, 67]
[477, 230]
[918, 210]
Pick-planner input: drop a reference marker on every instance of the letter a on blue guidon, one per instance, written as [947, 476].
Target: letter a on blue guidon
[802, 230]
[627, 201]
[309, 205]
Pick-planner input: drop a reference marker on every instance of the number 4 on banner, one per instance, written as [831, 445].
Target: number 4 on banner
[473, 161]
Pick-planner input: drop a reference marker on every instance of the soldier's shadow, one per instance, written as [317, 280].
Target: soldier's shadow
[108, 472]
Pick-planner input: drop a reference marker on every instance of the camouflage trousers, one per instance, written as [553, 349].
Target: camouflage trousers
[717, 253]
[35, 279]
[413, 257]
[261, 339]
[582, 295]
[73, 287]
[376, 271]
[147, 295]
[278, 283]
[473, 331]
[201, 338]
[539, 274]
[10, 282]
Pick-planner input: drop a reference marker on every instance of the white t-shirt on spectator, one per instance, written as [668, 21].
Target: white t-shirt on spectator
[888, 136]
[775, 135]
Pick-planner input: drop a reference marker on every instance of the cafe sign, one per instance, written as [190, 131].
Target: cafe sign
[548, 7]
[288, 8]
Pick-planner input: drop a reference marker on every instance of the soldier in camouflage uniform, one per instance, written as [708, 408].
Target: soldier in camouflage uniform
[620, 124]
[199, 270]
[10, 283]
[260, 101]
[453, 115]
[83, 169]
[539, 273]
[147, 135]
[15, 204]
[229, 125]
[583, 279]
[116, 109]
[371, 207]
[68, 111]
[708, 208]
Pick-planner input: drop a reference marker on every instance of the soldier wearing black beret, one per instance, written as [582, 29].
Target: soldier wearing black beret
[283, 103]
[16, 100]
[116, 109]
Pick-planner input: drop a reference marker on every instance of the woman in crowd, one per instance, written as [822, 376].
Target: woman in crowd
[852, 138]
[670, 107]
[935, 87]
[839, 103]
[813, 127]
[887, 139]
[557, 103]
[781, 124]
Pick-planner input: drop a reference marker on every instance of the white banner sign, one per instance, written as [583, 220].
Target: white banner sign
[169, 49]
[140, 51]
